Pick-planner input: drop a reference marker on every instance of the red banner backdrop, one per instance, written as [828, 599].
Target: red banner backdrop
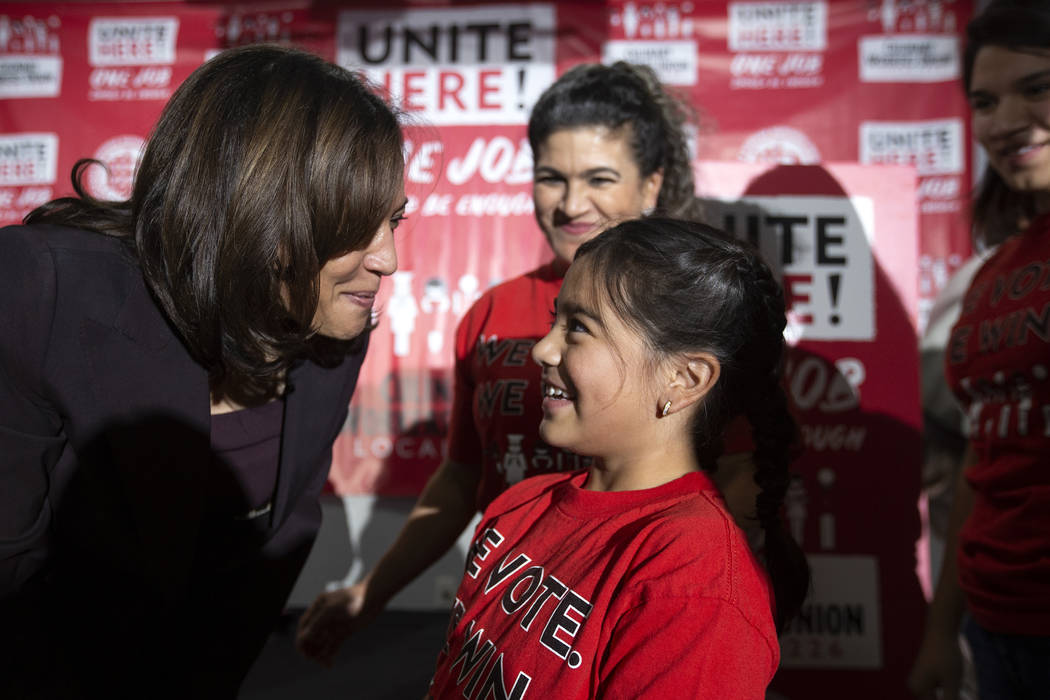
[776, 83]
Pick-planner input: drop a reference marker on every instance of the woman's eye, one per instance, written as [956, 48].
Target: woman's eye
[396, 221]
[980, 103]
[601, 181]
[1037, 90]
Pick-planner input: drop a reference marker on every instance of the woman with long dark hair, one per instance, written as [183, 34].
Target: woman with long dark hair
[173, 371]
[995, 580]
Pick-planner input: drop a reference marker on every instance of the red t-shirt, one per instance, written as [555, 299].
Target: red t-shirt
[998, 364]
[496, 397]
[572, 593]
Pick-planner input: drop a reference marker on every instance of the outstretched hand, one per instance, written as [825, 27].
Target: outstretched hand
[330, 619]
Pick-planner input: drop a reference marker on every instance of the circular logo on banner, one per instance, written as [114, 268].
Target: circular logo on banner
[120, 156]
[779, 144]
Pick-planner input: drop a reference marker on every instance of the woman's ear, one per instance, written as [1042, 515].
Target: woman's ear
[691, 377]
[651, 189]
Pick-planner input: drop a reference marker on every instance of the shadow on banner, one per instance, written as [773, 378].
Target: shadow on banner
[844, 240]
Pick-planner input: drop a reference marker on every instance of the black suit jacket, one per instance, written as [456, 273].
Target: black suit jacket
[104, 463]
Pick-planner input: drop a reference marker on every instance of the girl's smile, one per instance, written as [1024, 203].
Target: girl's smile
[599, 390]
[592, 390]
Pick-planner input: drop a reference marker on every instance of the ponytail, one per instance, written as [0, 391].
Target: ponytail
[774, 432]
[678, 191]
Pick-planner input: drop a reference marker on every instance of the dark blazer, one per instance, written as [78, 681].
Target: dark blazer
[104, 463]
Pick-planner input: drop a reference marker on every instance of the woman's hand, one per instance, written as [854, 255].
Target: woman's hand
[443, 510]
[937, 666]
[330, 619]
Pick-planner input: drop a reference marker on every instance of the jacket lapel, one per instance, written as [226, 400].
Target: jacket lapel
[155, 425]
[315, 409]
[298, 433]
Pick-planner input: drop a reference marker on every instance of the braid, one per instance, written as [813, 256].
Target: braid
[775, 432]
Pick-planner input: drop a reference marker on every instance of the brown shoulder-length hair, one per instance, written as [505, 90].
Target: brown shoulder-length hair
[627, 95]
[1019, 25]
[266, 163]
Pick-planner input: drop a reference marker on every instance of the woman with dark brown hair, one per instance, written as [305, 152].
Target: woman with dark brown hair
[173, 371]
[994, 585]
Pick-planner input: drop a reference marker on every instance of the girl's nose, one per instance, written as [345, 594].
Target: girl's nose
[546, 351]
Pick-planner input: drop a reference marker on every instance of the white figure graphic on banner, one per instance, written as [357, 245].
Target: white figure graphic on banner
[403, 311]
[435, 342]
[541, 459]
[435, 296]
[826, 479]
[514, 463]
[435, 300]
[467, 294]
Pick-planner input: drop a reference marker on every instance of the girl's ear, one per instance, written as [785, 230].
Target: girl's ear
[691, 377]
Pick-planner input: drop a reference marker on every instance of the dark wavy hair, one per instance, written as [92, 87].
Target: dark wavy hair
[626, 95]
[266, 163]
[687, 287]
[1018, 25]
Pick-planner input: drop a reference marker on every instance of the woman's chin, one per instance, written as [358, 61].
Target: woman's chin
[345, 330]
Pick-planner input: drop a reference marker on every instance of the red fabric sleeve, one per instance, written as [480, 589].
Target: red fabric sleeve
[688, 647]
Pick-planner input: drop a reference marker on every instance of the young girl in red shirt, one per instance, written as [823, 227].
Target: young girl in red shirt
[630, 579]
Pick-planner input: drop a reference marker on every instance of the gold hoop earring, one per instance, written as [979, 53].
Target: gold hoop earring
[667, 409]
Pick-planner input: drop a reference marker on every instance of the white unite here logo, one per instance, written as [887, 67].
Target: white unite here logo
[132, 41]
[28, 159]
[934, 147]
[778, 26]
